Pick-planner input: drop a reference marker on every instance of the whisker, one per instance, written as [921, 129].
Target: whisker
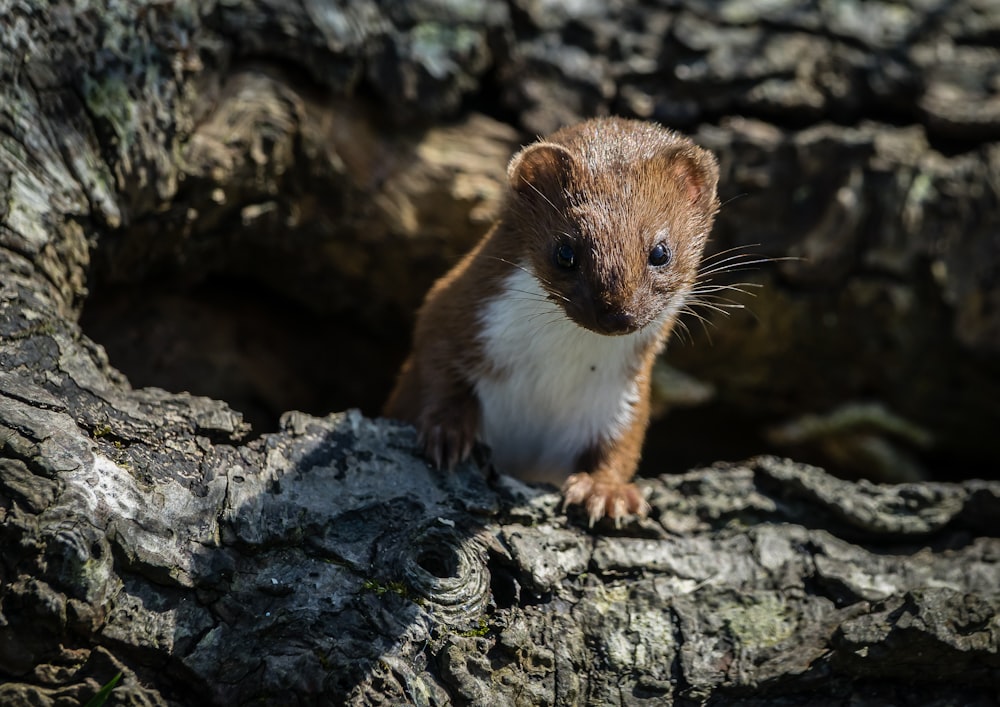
[716, 299]
[683, 333]
[550, 317]
[686, 309]
[708, 289]
[705, 293]
[530, 296]
[713, 307]
[709, 282]
[735, 263]
[704, 322]
[521, 296]
[713, 256]
[540, 319]
[529, 272]
[731, 199]
[725, 304]
[547, 200]
[539, 326]
[516, 265]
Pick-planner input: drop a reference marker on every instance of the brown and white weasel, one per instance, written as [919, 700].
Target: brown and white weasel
[540, 342]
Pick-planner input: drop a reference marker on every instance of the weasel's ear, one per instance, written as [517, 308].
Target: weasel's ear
[697, 171]
[542, 168]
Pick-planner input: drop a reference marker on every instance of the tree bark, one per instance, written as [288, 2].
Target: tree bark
[325, 151]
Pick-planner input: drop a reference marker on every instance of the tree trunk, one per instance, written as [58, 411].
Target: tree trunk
[318, 165]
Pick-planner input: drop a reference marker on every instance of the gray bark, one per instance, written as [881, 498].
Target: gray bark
[298, 148]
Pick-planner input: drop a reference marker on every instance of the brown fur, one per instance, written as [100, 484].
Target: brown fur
[611, 189]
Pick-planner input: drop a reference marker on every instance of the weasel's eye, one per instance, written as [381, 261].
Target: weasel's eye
[660, 255]
[565, 257]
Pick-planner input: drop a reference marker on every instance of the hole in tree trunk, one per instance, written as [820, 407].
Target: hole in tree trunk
[272, 274]
[236, 341]
[283, 272]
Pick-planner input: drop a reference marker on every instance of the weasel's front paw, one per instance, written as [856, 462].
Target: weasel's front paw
[448, 439]
[614, 499]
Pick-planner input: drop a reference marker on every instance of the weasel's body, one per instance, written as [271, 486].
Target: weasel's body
[538, 417]
[540, 341]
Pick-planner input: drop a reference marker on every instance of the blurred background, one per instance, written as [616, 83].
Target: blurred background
[336, 163]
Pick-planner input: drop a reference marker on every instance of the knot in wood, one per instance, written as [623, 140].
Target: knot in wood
[447, 568]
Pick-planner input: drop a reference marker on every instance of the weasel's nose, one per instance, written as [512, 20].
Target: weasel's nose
[614, 320]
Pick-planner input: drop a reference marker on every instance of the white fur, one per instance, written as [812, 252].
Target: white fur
[557, 387]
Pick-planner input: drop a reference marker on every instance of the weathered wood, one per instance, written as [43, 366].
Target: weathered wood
[326, 563]
[294, 146]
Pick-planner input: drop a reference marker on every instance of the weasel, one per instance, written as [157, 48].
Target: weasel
[540, 341]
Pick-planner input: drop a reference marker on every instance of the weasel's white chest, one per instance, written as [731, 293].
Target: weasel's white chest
[558, 388]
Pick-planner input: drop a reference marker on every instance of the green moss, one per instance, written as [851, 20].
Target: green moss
[760, 621]
[380, 589]
[479, 631]
[109, 98]
[439, 47]
[323, 659]
[46, 328]
[606, 598]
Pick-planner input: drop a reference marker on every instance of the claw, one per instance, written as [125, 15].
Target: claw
[613, 499]
[617, 510]
[453, 448]
[444, 446]
[595, 509]
[433, 447]
[576, 489]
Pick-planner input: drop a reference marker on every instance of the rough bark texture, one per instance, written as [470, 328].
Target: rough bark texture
[184, 172]
[325, 564]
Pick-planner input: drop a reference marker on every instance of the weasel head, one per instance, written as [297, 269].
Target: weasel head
[612, 217]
